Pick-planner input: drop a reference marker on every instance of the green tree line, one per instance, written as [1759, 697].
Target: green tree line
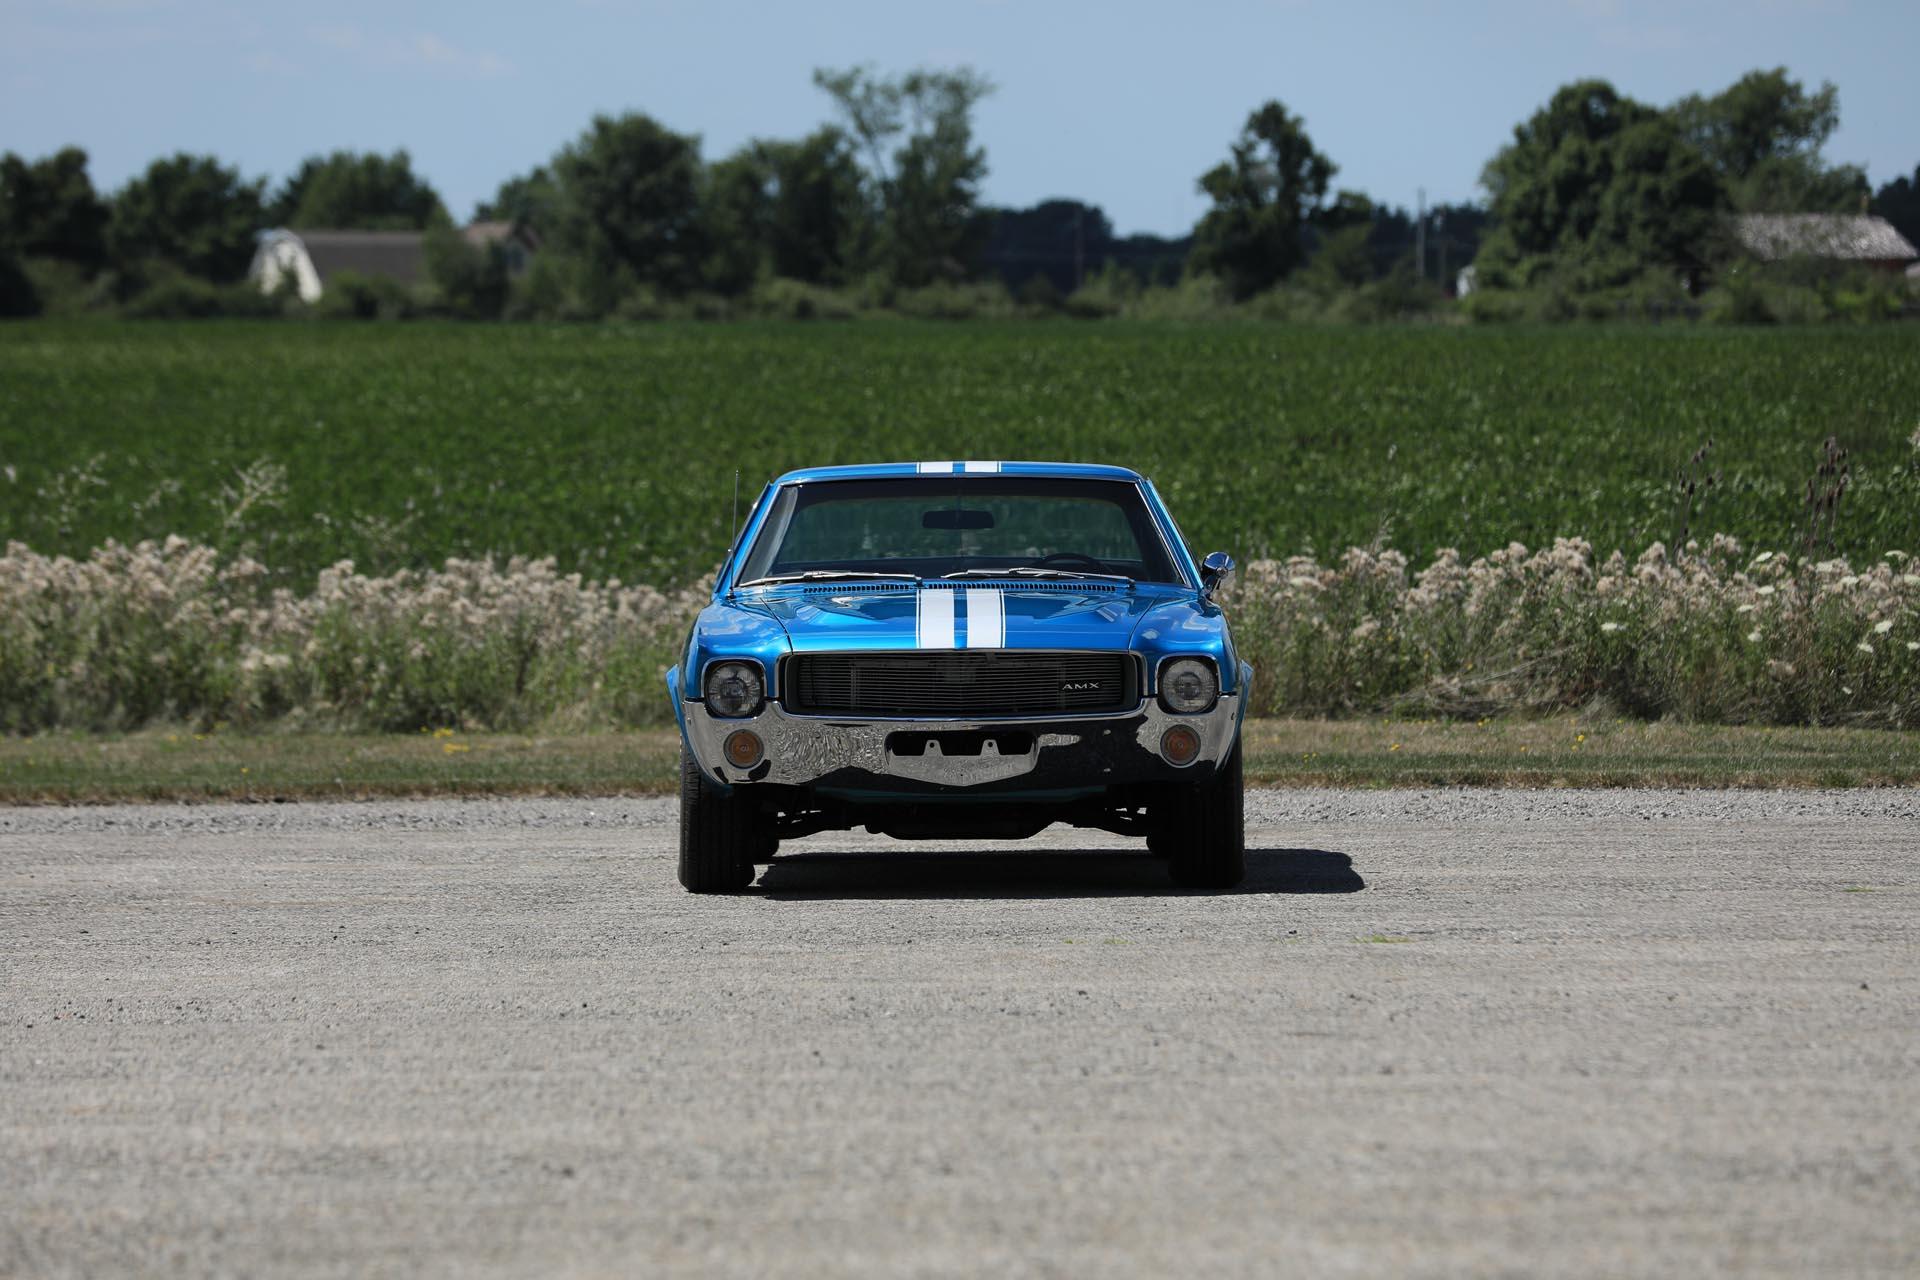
[1595, 195]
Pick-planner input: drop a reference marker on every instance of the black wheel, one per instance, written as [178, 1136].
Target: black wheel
[1201, 833]
[720, 835]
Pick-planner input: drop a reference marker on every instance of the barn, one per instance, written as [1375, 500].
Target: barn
[310, 258]
[1844, 239]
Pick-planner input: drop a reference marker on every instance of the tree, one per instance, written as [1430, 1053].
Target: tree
[1899, 203]
[1345, 258]
[1064, 242]
[191, 212]
[738, 209]
[473, 279]
[1598, 188]
[819, 222]
[358, 191]
[530, 200]
[18, 297]
[928, 185]
[629, 201]
[1763, 135]
[1264, 197]
[48, 209]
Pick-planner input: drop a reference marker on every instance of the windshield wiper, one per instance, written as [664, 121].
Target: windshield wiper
[1036, 571]
[828, 575]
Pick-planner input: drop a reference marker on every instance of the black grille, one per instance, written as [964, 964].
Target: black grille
[960, 685]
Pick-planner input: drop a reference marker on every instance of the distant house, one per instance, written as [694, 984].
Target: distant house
[1853, 239]
[310, 258]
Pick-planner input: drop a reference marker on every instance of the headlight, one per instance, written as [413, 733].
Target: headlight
[734, 689]
[1188, 685]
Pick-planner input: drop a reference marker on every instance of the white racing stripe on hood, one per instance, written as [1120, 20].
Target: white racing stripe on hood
[934, 468]
[933, 618]
[986, 619]
[983, 468]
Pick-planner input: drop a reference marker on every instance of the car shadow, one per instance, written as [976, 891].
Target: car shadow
[1069, 873]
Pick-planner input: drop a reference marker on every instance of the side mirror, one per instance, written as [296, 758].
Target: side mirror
[1214, 570]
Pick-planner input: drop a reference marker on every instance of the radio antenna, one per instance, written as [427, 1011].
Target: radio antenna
[736, 504]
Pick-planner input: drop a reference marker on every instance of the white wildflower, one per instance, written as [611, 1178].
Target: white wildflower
[1883, 626]
[1912, 645]
[1753, 637]
[1745, 608]
[1767, 590]
[1610, 626]
[1864, 647]
[1763, 557]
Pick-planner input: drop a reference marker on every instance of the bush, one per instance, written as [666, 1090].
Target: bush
[796, 300]
[182, 297]
[1194, 297]
[986, 299]
[171, 631]
[1707, 635]
[18, 297]
[1039, 294]
[471, 279]
[352, 296]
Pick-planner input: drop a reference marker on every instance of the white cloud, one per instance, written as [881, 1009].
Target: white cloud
[434, 51]
[419, 52]
[268, 63]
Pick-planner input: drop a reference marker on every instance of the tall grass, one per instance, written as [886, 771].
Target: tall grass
[173, 631]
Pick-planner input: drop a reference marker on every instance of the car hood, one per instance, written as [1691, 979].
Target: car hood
[960, 615]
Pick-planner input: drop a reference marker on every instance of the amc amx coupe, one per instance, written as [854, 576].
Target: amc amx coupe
[960, 650]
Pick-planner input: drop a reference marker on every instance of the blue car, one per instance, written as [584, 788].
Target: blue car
[960, 650]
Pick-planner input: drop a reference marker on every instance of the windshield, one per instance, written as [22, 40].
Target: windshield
[932, 528]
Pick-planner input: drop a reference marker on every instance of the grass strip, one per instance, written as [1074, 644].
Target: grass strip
[180, 765]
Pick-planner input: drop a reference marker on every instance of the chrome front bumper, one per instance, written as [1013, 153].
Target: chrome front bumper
[1067, 753]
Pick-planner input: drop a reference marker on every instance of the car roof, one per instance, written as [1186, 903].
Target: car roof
[888, 470]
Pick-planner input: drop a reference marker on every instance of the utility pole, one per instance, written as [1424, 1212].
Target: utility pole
[1420, 235]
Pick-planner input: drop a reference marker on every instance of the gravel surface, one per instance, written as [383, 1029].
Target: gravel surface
[1464, 1033]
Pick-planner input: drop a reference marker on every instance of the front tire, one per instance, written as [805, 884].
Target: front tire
[1203, 834]
[719, 834]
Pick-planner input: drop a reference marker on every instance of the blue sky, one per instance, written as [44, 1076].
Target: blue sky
[1123, 103]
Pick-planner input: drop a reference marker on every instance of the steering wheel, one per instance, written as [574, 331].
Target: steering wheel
[1098, 566]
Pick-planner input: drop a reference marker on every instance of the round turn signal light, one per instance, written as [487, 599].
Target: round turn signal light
[744, 749]
[1180, 745]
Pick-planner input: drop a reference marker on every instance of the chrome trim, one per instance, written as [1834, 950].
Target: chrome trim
[1176, 560]
[1214, 572]
[801, 749]
[1139, 677]
[1186, 657]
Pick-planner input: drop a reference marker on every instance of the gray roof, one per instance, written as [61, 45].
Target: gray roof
[1846, 237]
[396, 255]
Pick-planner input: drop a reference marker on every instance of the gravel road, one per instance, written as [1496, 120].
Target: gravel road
[1474, 1033]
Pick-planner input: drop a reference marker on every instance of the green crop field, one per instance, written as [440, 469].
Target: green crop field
[613, 448]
